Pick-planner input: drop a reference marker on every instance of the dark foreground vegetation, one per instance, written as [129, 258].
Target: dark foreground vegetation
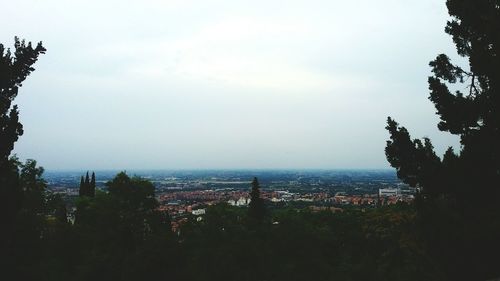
[120, 234]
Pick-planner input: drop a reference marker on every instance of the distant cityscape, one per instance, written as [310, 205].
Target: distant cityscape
[188, 193]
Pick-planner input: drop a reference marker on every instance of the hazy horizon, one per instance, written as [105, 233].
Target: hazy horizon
[223, 169]
[225, 85]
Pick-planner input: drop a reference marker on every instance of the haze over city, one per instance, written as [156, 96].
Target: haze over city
[225, 84]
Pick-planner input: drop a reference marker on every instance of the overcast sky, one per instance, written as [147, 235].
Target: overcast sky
[225, 84]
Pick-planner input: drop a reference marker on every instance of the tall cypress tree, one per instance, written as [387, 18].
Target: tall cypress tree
[87, 184]
[256, 208]
[87, 179]
[86, 188]
[81, 190]
[92, 185]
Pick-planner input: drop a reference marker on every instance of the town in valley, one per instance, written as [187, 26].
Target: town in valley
[187, 193]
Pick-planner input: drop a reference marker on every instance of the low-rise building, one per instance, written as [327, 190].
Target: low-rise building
[389, 192]
[198, 212]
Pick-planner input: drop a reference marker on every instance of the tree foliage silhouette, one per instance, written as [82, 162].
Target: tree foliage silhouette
[122, 227]
[87, 186]
[21, 187]
[14, 68]
[81, 189]
[257, 209]
[92, 185]
[473, 115]
[461, 231]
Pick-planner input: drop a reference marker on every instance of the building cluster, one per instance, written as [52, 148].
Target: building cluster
[342, 198]
[179, 204]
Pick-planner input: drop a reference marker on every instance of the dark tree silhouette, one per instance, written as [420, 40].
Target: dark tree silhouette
[124, 228]
[87, 186]
[81, 190]
[473, 115]
[14, 68]
[92, 185]
[87, 182]
[461, 231]
[256, 208]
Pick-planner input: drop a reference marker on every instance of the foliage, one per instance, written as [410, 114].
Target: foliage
[301, 245]
[14, 68]
[473, 115]
[21, 186]
[40, 217]
[458, 209]
[117, 230]
[257, 208]
[87, 186]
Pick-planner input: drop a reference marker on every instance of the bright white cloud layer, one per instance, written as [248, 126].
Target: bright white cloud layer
[225, 84]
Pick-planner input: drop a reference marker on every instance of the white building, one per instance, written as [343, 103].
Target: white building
[389, 192]
[243, 201]
[198, 212]
[240, 202]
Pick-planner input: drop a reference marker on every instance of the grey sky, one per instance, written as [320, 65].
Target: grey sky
[225, 84]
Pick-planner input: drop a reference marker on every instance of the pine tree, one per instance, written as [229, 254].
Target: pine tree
[473, 114]
[458, 204]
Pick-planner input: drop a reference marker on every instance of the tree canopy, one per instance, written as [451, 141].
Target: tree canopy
[458, 200]
[87, 186]
[472, 114]
[14, 68]
[257, 208]
[21, 185]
